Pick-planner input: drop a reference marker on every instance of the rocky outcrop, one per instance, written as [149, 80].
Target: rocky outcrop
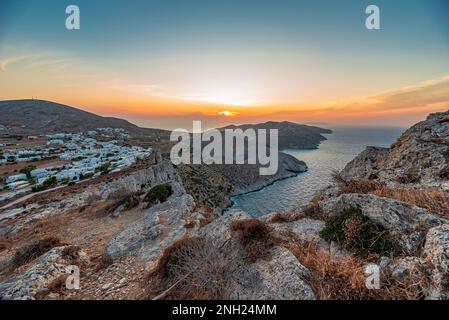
[278, 277]
[419, 159]
[436, 251]
[366, 165]
[137, 181]
[160, 226]
[421, 155]
[409, 223]
[37, 277]
[247, 178]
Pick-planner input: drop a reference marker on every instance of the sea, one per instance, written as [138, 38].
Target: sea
[333, 154]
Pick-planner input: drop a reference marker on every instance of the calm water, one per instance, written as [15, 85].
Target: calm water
[340, 148]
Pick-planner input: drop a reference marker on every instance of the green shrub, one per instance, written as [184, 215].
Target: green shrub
[34, 250]
[158, 194]
[356, 232]
[87, 175]
[49, 183]
[105, 168]
[27, 170]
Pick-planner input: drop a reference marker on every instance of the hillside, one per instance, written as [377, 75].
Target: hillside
[291, 135]
[40, 117]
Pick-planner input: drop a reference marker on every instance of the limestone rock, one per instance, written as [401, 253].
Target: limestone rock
[436, 251]
[400, 218]
[280, 278]
[37, 277]
[366, 165]
[161, 225]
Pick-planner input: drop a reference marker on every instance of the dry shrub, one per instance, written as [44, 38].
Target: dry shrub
[313, 210]
[71, 254]
[284, 217]
[255, 237]
[34, 250]
[158, 194]
[189, 223]
[207, 215]
[343, 278]
[434, 200]
[58, 284]
[361, 186]
[5, 244]
[192, 268]
[356, 232]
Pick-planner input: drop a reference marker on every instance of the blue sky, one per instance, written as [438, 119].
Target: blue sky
[245, 52]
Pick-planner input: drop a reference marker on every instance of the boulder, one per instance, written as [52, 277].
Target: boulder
[280, 278]
[436, 251]
[161, 225]
[41, 272]
[366, 165]
[401, 219]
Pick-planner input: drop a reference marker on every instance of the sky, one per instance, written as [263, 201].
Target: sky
[165, 63]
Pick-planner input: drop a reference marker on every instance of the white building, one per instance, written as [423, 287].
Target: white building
[17, 177]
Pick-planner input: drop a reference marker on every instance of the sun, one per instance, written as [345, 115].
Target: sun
[227, 113]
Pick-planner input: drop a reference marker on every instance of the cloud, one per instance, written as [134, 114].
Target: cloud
[424, 95]
[4, 63]
[46, 60]
[117, 84]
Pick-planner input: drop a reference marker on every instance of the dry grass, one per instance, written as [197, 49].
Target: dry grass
[5, 244]
[34, 250]
[434, 200]
[189, 223]
[192, 268]
[313, 210]
[285, 217]
[255, 237]
[343, 278]
[207, 216]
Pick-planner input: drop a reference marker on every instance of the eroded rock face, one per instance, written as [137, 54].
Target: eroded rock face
[137, 181]
[38, 276]
[420, 157]
[280, 278]
[393, 215]
[366, 165]
[436, 251]
[160, 226]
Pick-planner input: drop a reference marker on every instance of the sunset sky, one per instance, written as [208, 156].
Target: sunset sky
[165, 63]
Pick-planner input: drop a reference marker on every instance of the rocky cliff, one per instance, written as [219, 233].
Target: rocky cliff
[420, 157]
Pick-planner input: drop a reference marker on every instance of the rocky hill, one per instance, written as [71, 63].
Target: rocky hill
[291, 135]
[41, 117]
